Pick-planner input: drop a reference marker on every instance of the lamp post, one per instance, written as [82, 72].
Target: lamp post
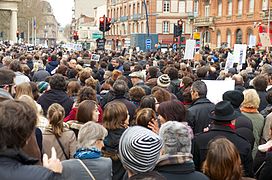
[147, 19]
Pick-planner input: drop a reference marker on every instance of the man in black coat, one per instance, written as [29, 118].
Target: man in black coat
[56, 94]
[243, 124]
[223, 118]
[201, 106]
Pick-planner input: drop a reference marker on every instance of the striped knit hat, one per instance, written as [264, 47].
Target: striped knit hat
[139, 149]
[163, 81]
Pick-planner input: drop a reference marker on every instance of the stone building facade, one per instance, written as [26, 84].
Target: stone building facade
[230, 21]
[129, 16]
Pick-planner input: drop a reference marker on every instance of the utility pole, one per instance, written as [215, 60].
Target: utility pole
[147, 19]
[180, 26]
[268, 21]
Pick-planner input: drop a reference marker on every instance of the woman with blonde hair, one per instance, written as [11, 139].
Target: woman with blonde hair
[23, 89]
[56, 135]
[222, 161]
[249, 108]
[115, 120]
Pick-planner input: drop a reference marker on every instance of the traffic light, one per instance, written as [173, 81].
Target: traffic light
[108, 24]
[17, 34]
[102, 24]
[22, 35]
[75, 35]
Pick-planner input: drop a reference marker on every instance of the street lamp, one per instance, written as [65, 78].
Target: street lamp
[146, 13]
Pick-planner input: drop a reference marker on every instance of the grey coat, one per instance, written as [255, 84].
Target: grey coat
[100, 168]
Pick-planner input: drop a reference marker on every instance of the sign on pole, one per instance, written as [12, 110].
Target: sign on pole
[148, 43]
[100, 44]
[189, 49]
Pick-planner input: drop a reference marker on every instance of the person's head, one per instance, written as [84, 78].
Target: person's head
[55, 115]
[91, 135]
[136, 93]
[120, 87]
[144, 116]
[260, 83]
[20, 125]
[23, 89]
[238, 79]
[251, 99]
[87, 111]
[72, 88]
[202, 72]
[176, 138]
[171, 111]
[57, 82]
[235, 97]
[15, 66]
[161, 94]
[91, 82]
[149, 102]
[163, 81]
[269, 97]
[62, 69]
[115, 62]
[86, 93]
[222, 160]
[172, 73]
[35, 90]
[136, 77]
[72, 63]
[139, 150]
[198, 90]
[43, 86]
[84, 74]
[29, 100]
[115, 115]
[152, 72]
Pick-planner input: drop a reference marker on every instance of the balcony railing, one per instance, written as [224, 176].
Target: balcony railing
[265, 14]
[113, 20]
[204, 21]
[136, 17]
[123, 18]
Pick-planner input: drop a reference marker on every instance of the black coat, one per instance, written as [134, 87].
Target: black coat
[201, 141]
[180, 171]
[266, 172]
[263, 101]
[55, 96]
[198, 117]
[244, 128]
[15, 165]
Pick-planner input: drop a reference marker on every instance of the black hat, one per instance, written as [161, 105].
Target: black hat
[235, 97]
[223, 111]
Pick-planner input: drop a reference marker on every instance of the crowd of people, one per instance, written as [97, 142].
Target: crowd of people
[133, 116]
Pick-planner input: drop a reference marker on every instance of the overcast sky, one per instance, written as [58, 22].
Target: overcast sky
[62, 10]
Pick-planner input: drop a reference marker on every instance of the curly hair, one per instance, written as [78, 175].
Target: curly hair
[86, 93]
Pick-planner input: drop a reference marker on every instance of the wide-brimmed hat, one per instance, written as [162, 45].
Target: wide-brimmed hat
[223, 111]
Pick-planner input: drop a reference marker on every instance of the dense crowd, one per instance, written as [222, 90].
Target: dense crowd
[133, 115]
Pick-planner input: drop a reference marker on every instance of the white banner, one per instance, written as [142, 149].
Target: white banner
[216, 89]
[229, 62]
[252, 41]
[265, 40]
[189, 49]
[239, 53]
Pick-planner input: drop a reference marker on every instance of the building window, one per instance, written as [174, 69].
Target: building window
[195, 7]
[207, 10]
[182, 5]
[240, 7]
[249, 34]
[218, 36]
[206, 37]
[228, 38]
[165, 27]
[166, 6]
[239, 36]
[229, 7]
[251, 6]
[219, 13]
